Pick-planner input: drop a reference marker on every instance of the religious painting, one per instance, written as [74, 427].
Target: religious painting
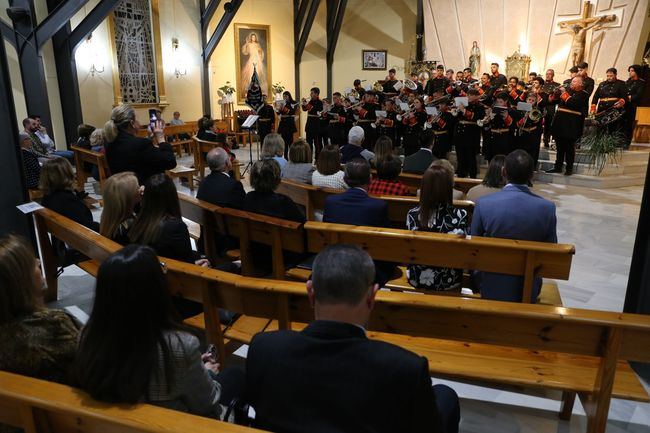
[373, 60]
[252, 52]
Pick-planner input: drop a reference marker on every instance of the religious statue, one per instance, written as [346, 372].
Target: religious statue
[579, 28]
[474, 58]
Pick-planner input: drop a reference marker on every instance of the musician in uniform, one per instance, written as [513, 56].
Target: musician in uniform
[456, 89]
[568, 122]
[449, 73]
[389, 85]
[367, 116]
[266, 122]
[312, 128]
[497, 79]
[287, 126]
[485, 89]
[438, 83]
[529, 127]
[413, 122]
[635, 87]
[516, 91]
[467, 76]
[388, 125]
[548, 88]
[467, 134]
[588, 82]
[359, 88]
[419, 89]
[611, 93]
[323, 130]
[501, 120]
[442, 126]
[336, 121]
[573, 72]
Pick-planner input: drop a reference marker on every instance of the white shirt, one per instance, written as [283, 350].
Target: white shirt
[330, 181]
[45, 139]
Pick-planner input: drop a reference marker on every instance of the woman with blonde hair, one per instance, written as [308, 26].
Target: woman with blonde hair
[57, 183]
[125, 151]
[121, 194]
[35, 341]
[299, 168]
[273, 148]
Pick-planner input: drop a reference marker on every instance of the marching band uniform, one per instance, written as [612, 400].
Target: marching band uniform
[323, 132]
[497, 80]
[413, 128]
[312, 128]
[388, 126]
[442, 130]
[467, 138]
[588, 84]
[436, 84]
[567, 125]
[389, 89]
[336, 125]
[266, 122]
[609, 94]
[456, 91]
[367, 116]
[287, 125]
[517, 95]
[500, 134]
[549, 87]
[635, 89]
[529, 132]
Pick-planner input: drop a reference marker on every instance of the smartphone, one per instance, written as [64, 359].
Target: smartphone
[212, 351]
[153, 119]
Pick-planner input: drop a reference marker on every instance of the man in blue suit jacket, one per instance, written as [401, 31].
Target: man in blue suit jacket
[355, 207]
[513, 213]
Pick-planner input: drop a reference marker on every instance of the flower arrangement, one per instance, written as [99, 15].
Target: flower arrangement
[278, 87]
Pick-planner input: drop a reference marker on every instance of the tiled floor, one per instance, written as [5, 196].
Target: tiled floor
[602, 225]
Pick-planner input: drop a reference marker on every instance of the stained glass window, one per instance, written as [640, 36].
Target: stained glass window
[135, 52]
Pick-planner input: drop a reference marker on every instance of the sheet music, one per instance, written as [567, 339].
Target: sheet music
[397, 86]
[380, 113]
[461, 100]
[250, 121]
[432, 111]
[524, 106]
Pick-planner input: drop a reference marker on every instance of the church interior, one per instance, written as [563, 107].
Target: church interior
[225, 172]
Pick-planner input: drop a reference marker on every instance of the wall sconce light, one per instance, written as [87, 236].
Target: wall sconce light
[90, 49]
[177, 72]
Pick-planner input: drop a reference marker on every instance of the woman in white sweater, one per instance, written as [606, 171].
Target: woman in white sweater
[328, 172]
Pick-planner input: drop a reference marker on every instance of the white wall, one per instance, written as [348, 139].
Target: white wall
[500, 26]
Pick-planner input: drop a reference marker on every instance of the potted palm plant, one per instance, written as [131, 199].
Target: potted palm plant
[602, 147]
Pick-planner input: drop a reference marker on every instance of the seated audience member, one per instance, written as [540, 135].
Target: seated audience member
[354, 147]
[177, 119]
[39, 134]
[273, 148]
[299, 168]
[159, 223]
[121, 194]
[57, 184]
[84, 131]
[218, 187]
[513, 213]
[328, 172]
[457, 194]
[31, 166]
[383, 149]
[493, 181]
[206, 130]
[36, 147]
[125, 151]
[265, 178]
[355, 207]
[35, 341]
[149, 357]
[97, 141]
[436, 213]
[386, 181]
[422, 159]
[330, 377]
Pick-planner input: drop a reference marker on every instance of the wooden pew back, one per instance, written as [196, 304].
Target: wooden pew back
[201, 147]
[38, 406]
[84, 156]
[413, 182]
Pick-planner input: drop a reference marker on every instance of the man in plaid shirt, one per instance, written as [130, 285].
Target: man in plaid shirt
[386, 183]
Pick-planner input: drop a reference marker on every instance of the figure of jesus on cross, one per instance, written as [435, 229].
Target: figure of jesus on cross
[580, 27]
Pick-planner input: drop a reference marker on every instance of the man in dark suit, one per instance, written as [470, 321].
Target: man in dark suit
[218, 187]
[513, 213]
[354, 206]
[422, 159]
[330, 377]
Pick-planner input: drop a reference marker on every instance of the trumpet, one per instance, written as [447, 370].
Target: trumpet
[489, 115]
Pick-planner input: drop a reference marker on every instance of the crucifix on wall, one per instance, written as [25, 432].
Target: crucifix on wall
[579, 27]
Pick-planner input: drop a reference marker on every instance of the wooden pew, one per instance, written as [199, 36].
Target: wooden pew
[175, 131]
[413, 182]
[313, 198]
[279, 234]
[84, 156]
[576, 351]
[512, 257]
[201, 147]
[38, 406]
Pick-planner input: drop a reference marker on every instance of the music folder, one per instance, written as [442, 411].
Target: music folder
[461, 100]
[250, 121]
[431, 111]
[524, 106]
[397, 86]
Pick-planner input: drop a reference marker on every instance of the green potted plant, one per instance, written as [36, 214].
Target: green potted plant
[602, 147]
[225, 92]
[278, 89]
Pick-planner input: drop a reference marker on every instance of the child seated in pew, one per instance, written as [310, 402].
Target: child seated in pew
[35, 341]
[133, 349]
[436, 213]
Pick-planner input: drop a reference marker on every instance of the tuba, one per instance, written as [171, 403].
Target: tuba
[410, 85]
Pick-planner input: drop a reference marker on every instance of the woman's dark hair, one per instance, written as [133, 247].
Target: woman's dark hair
[329, 160]
[287, 93]
[494, 177]
[205, 123]
[119, 347]
[436, 190]
[265, 175]
[383, 148]
[389, 167]
[159, 202]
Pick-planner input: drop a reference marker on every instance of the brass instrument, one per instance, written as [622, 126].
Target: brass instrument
[549, 88]
[410, 85]
[377, 87]
[533, 115]
[438, 101]
[608, 116]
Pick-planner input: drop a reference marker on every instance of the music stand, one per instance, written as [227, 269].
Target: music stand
[249, 124]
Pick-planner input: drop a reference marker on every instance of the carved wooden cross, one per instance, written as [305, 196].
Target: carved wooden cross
[579, 27]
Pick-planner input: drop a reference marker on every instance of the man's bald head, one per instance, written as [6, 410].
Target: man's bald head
[577, 83]
[218, 159]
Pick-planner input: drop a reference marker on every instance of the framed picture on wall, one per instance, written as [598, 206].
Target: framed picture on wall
[252, 52]
[373, 60]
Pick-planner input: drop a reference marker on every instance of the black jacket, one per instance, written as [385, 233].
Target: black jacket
[418, 162]
[570, 116]
[273, 205]
[68, 204]
[139, 155]
[331, 378]
[222, 190]
[174, 242]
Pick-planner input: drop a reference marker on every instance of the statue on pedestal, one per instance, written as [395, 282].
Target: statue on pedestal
[474, 58]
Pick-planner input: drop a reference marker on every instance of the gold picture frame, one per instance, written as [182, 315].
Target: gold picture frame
[250, 51]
